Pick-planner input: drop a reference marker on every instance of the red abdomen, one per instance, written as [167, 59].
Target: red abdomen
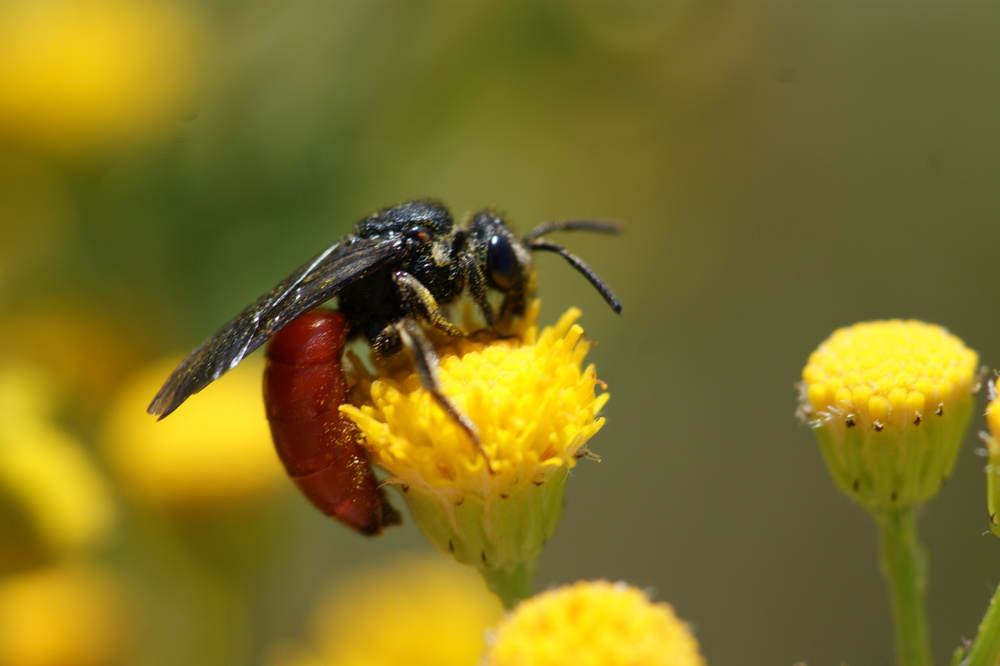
[303, 388]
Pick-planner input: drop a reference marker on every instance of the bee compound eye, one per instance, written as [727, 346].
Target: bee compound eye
[501, 263]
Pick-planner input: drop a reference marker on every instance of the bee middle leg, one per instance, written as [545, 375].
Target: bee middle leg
[411, 336]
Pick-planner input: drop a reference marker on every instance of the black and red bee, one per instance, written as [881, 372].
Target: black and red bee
[392, 277]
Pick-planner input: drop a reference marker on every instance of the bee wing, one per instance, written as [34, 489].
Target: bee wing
[317, 281]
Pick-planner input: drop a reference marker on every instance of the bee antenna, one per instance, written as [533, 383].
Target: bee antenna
[603, 226]
[578, 263]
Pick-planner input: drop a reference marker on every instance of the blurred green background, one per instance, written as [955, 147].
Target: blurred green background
[783, 169]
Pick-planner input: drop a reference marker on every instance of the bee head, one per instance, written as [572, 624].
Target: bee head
[502, 261]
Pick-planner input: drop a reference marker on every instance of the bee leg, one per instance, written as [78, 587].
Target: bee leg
[420, 303]
[479, 290]
[412, 336]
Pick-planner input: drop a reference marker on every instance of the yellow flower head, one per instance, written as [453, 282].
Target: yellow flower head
[593, 624]
[53, 500]
[533, 405]
[369, 620]
[534, 408]
[216, 452]
[889, 402]
[992, 441]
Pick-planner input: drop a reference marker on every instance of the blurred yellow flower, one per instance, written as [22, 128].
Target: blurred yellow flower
[534, 408]
[70, 615]
[416, 610]
[214, 452]
[80, 345]
[52, 498]
[889, 402]
[593, 624]
[83, 74]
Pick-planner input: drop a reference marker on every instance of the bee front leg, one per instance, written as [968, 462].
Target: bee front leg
[409, 334]
[479, 290]
[421, 304]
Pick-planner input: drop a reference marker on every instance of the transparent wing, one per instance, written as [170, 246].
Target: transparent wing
[317, 281]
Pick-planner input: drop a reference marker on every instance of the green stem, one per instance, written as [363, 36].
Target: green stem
[510, 585]
[985, 650]
[905, 569]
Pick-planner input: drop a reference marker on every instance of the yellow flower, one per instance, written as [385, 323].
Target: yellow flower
[593, 624]
[417, 610]
[889, 402]
[69, 615]
[214, 452]
[52, 498]
[992, 441]
[534, 408]
[81, 346]
[82, 74]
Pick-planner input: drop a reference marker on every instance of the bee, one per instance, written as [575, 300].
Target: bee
[393, 277]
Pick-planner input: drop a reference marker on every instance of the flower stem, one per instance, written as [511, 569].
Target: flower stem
[985, 650]
[904, 566]
[510, 585]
